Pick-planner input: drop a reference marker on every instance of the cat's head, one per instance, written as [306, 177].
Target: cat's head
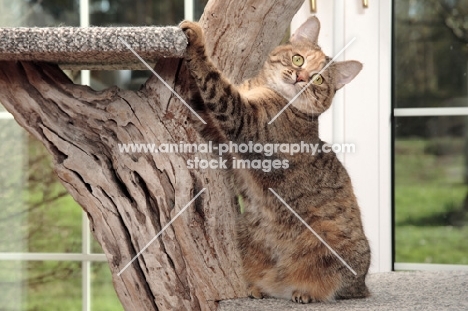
[294, 65]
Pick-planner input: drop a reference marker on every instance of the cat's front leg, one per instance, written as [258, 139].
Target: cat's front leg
[222, 99]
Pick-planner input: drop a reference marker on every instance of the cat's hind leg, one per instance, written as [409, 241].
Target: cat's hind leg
[320, 288]
[257, 259]
[311, 280]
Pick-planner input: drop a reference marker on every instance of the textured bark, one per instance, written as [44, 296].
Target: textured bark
[130, 197]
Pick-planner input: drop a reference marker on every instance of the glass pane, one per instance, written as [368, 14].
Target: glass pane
[430, 53]
[36, 213]
[136, 12]
[39, 13]
[54, 286]
[103, 296]
[13, 188]
[199, 6]
[12, 285]
[431, 190]
[54, 217]
[40, 285]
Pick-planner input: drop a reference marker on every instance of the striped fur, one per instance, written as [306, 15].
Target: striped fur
[281, 257]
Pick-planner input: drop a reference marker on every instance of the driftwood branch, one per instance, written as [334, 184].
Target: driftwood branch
[130, 197]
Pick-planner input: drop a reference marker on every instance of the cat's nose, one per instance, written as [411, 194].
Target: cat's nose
[301, 76]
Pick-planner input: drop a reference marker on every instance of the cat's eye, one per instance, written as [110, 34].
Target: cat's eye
[317, 79]
[298, 60]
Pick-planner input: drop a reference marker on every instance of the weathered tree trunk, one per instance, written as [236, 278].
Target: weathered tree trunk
[130, 197]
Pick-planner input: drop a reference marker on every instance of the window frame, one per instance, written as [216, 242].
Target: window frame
[414, 112]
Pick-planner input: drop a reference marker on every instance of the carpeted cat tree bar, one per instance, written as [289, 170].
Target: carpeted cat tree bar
[91, 48]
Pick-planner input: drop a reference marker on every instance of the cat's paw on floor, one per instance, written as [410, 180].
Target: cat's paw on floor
[301, 297]
[254, 292]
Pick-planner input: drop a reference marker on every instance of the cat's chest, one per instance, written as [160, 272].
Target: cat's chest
[293, 130]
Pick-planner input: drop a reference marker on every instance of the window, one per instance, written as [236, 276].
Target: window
[48, 259]
[430, 133]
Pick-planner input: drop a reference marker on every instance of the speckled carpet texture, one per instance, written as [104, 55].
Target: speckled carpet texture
[395, 291]
[93, 47]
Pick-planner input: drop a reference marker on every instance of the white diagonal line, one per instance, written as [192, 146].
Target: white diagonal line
[311, 81]
[160, 232]
[313, 231]
[161, 79]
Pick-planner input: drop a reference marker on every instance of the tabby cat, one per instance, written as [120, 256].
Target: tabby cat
[281, 257]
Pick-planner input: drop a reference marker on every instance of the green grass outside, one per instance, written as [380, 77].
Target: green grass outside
[31, 220]
[66, 293]
[51, 285]
[435, 244]
[431, 222]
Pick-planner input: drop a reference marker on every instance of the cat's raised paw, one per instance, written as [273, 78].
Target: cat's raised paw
[301, 297]
[193, 32]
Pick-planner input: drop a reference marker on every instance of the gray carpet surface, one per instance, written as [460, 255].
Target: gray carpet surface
[428, 291]
[91, 47]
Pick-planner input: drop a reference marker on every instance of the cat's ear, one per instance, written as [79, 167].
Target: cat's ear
[307, 32]
[345, 72]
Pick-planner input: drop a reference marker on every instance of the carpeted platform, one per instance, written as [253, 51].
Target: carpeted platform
[93, 47]
[428, 291]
